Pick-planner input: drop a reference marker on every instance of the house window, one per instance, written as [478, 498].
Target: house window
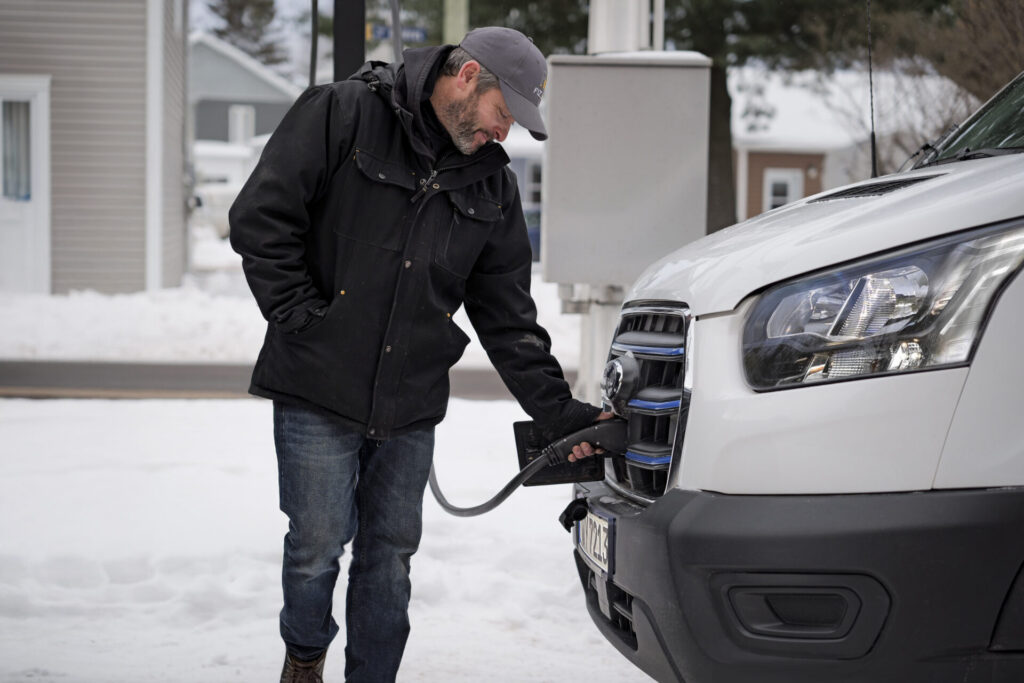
[17, 177]
[241, 123]
[782, 186]
[534, 176]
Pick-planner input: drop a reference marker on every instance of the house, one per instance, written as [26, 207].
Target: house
[798, 133]
[233, 96]
[93, 144]
[236, 102]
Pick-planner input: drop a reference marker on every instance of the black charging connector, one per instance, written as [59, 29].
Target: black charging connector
[548, 463]
[607, 435]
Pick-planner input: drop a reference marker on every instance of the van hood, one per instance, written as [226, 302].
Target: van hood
[715, 273]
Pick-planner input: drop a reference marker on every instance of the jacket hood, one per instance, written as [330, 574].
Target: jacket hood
[417, 65]
[715, 273]
[401, 84]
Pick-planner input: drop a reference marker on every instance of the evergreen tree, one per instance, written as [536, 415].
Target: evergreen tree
[247, 26]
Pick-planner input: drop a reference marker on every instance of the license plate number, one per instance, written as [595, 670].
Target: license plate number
[594, 539]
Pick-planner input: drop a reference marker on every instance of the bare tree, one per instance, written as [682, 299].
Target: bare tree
[913, 105]
[977, 44]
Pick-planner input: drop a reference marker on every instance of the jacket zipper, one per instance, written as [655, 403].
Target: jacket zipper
[428, 182]
[391, 314]
[419, 194]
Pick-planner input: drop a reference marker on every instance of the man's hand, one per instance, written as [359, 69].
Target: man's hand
[584, 449]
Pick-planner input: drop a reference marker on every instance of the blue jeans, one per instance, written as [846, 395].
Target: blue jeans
[336, 485]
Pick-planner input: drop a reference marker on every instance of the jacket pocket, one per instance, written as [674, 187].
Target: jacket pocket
[473, 216]
[315, 319]
[373, 201]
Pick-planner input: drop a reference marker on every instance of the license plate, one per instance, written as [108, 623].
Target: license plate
[594, 539]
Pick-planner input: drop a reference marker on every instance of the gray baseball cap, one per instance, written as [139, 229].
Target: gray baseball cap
[521, 70]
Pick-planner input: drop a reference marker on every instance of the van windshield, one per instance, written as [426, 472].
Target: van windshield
[996, 128]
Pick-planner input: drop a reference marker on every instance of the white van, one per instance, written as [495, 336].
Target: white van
[825, 477]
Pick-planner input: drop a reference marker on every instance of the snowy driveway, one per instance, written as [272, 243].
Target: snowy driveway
[140, 541]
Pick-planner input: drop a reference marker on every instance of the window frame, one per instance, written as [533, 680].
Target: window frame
[35, 89]
[792, 177]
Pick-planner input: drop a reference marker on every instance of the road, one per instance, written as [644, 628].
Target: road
[74, 379]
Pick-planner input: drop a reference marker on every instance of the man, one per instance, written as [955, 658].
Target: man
[379, 206]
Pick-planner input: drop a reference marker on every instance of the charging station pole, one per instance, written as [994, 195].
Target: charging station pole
[625, 178]
[456, 21]
[614, 26]
[349, 37]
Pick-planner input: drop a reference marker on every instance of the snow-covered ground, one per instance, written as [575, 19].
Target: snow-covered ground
[211, 318]
[141, 541]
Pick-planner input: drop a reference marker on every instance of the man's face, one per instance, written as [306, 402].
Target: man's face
[475, 119]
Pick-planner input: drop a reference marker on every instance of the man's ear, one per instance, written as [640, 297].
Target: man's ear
[466, 78]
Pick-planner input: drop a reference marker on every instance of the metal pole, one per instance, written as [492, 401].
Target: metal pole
[871, 90]
[312, 44]
[456, 21]
[396, 30]
[659, 25]
[597, 325]
[615, 26]
[349, 37]
[643, 8]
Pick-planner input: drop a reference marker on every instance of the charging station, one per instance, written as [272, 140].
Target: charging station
[626, 164]
[625, 179]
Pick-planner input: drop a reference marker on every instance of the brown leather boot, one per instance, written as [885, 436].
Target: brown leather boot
[298, 671]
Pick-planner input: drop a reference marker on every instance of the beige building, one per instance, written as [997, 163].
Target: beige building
[93, 144]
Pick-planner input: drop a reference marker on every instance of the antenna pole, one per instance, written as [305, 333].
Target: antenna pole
[871, 89]
[312, 44]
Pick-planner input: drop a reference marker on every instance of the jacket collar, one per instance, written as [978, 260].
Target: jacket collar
[401, 84]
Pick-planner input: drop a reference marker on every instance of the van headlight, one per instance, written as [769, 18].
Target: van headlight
[918, 308]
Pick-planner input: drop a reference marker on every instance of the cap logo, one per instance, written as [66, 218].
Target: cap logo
[539, 92]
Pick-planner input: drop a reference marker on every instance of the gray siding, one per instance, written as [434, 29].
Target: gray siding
[214, 76]
[95, 51]
[212, 117]
[175, 243]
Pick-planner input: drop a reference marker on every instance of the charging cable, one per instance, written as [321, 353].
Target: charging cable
[609, 435]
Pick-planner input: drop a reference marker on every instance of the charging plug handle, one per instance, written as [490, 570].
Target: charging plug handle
[609, 435]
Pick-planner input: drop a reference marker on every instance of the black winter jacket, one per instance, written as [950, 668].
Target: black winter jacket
[359, 247]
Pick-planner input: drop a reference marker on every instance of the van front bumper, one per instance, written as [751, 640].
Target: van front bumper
[710, 588]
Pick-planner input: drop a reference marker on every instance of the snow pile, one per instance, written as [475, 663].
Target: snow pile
[184, 324]
[211, 318]
[142, 542]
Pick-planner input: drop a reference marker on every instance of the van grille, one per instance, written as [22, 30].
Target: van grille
[655, 334]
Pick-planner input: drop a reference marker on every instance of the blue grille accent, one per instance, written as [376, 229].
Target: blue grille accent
[647, 459]
[653, 337]
[654, 405]
[650, 350]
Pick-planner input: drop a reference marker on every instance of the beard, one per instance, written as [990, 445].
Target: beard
[459, 118]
